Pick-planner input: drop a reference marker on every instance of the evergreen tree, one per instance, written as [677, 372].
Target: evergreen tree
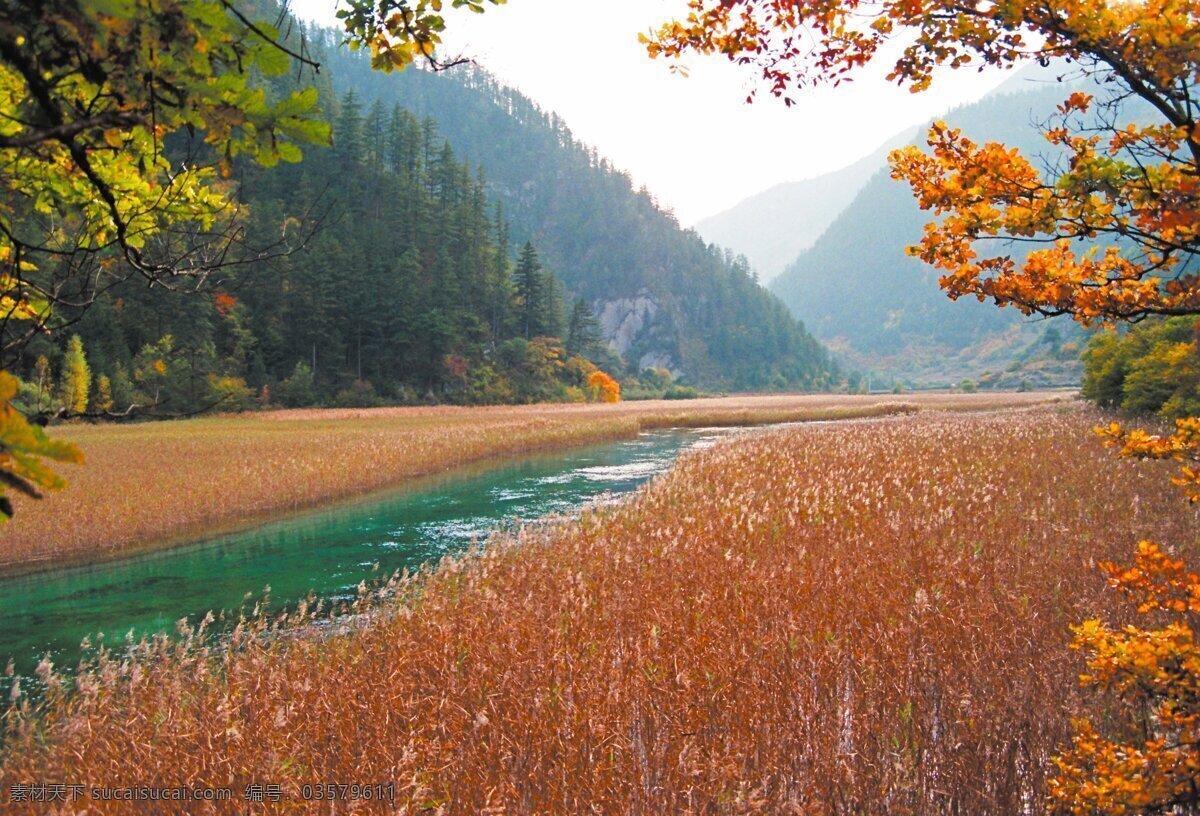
[529, 288]
[297, 390]
[500, 292]
[348, 129]
[550, 306]
[374, 136]
[583, 331]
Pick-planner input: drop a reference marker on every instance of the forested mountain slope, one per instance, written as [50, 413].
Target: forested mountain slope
[407, 290]
[468, 250]
[664, 297]
[881, 310]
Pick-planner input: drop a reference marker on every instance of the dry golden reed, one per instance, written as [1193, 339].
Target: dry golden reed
[153, 484]
[867, 617]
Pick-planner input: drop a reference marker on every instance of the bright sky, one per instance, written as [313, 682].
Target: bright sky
[692, 141]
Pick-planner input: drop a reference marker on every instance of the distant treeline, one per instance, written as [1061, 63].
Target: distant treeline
[409, 292]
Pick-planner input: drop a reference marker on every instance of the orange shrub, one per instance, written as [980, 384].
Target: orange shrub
[604, 387]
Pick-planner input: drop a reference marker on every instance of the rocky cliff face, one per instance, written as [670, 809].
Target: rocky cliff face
[631, 326]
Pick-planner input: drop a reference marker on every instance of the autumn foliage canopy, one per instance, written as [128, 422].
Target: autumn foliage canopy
[1134, 185]
[1153, 671]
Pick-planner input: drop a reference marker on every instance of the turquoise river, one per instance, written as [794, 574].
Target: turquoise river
[326, 553]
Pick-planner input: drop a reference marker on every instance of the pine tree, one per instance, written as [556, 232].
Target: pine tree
[500, 284]
[550, 306]
[583, 332]
[348, 130]
[375, 138]
[398, 153]
[528, 280]
[76, 378]
[429, 139]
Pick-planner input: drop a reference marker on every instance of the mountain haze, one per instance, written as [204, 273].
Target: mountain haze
[771, 228]
[858, 291]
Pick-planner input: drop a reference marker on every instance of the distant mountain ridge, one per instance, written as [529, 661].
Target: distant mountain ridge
[773, 227]
[881, 310]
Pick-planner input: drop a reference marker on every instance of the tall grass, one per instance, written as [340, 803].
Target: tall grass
[862, 617]
[151, 485]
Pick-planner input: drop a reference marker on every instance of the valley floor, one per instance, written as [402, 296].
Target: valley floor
[153, 485]
[852, 617]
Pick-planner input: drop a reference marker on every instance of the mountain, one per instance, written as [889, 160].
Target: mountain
[771, 228]
[881, 310]
[468, 250]
[664, 297]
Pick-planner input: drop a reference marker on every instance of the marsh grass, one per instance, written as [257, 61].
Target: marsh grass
[152, 485]
[866, 617]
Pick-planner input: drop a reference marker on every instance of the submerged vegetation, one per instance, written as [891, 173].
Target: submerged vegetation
[867, 617]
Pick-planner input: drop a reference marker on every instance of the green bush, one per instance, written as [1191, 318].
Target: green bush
[680, 392]
[230, 394]
[297, 391]
[1153, 368]
[359, 394]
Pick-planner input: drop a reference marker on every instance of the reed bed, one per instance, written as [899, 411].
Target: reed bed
[154, 484]
[867, 617]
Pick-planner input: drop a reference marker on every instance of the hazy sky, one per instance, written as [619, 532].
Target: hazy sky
[691, 140]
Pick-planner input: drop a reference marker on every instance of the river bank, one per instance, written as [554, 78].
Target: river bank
[153, 486]
[322, 555]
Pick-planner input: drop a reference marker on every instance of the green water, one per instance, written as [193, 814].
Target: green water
[326, 553]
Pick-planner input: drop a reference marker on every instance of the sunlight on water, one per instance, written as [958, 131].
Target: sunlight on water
[633, 470]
